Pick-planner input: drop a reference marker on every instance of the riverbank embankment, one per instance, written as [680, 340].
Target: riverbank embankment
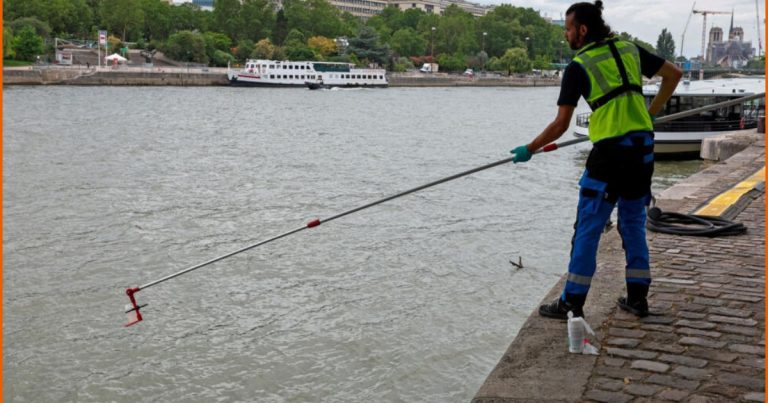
[705, 342]
[180, 76]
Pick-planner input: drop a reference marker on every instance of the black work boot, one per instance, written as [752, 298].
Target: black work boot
[559, 308]
[636, 301]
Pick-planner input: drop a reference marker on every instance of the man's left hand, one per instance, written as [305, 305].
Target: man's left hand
[522, 154]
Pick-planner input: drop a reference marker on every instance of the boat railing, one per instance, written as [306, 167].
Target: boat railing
[705, 126]
[582, 119]
[747, 121]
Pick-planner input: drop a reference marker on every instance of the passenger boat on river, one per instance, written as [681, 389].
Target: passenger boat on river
[681, 139]
[272, 73]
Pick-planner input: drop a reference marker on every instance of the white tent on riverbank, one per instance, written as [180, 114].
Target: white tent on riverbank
[114, 56]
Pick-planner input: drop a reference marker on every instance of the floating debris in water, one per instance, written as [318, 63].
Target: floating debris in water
[519, 263]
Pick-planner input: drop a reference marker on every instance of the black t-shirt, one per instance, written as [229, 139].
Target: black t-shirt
[575, 82]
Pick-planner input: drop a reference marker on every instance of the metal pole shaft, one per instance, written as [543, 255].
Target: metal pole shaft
[216, 259]
[703, 35]
[422, 187]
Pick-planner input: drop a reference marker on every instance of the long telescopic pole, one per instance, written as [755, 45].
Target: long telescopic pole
[317, 222]
[134, 308]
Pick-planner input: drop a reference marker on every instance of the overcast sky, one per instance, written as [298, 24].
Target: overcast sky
[645, 19]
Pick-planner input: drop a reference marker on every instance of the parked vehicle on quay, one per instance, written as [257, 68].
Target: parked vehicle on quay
[429, 68]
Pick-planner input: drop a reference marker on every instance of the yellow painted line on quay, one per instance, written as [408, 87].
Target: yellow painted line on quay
[717, 206]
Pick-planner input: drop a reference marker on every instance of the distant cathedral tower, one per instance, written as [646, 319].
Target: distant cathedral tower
[715, 35]
[735, 53]
[735, 34]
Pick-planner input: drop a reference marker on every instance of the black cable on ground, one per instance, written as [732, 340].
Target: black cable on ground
[691, 224]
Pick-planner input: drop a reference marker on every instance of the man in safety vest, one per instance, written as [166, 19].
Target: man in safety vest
[607, 73]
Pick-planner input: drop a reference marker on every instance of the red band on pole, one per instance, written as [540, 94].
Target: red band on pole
[549, 147]
[313, 223]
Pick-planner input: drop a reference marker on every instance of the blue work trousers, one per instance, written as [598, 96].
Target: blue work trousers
[597, 200]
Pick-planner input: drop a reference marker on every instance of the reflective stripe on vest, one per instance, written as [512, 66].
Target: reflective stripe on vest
[616, 98]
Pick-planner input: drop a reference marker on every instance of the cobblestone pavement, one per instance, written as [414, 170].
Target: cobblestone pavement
[707, 343]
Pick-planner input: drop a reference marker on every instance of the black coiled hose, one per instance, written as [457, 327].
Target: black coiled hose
[691, 224]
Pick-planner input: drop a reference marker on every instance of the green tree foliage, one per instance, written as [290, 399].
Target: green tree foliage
[367, 49]
[189, 17]
[226, 17]
[41, 28]
[313, 18]
[157, 19]
[507, 27]
[455, 62]
[402, 64]
[216, 42]
[264, 49]
[514, 60]
[61, 16]
[186, 46]
[8, 52]
[13, 9]
[757, 63]
[407, 42]
[122, 17]
[456, 32]
[296, 48]
[70, 16]
[541, 62]
[221, 58]
[665, 45]
[281, 27]
[244, 49]
[322, 46]
[408, 33]
[627, 37]
[27, 44]
[256, 19]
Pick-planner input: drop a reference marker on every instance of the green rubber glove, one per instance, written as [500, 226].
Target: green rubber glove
[521, 154]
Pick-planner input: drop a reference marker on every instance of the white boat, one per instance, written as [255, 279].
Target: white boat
[273, 73]
[682, 138]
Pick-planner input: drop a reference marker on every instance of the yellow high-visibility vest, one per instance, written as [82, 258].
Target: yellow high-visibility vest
[616, 97]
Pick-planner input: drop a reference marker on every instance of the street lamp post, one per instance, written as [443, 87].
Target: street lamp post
[562, 43]
[485, 55]
[527, 46]
[432, 46]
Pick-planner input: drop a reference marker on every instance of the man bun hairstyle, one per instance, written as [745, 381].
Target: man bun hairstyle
[591, 15]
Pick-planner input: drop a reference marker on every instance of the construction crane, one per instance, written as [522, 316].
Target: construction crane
[704, 34]
[682, 39]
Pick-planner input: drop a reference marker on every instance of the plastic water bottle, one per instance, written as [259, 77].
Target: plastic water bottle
[575, 334]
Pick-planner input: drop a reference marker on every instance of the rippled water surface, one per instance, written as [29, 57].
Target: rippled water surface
[411, 300]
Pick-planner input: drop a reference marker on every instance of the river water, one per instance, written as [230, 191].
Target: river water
[411, 300]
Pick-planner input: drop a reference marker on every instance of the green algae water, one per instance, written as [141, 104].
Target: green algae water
[413, 300]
